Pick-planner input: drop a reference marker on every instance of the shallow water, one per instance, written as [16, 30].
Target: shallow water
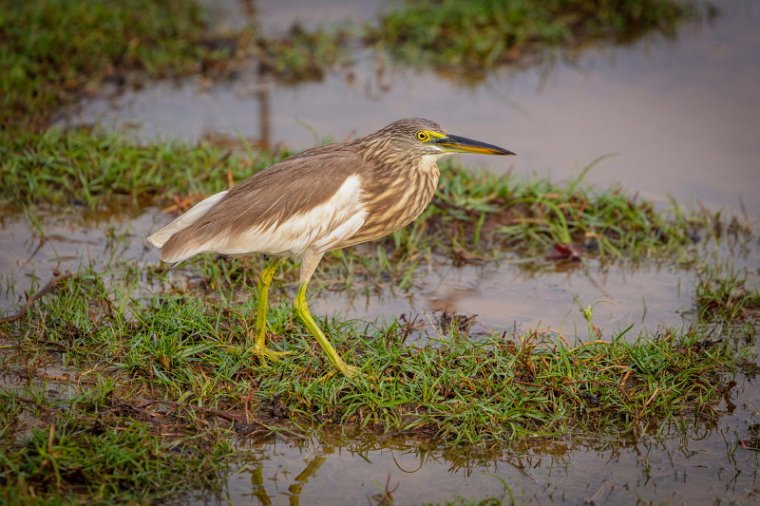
[67, 242]
[679, 115]
[570, 472]
[506, 297]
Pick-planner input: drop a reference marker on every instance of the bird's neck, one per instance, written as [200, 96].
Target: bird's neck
[429, 165]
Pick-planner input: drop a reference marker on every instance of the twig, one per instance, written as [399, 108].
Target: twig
[57, 278]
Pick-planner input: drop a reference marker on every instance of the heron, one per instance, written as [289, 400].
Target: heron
[325, 198]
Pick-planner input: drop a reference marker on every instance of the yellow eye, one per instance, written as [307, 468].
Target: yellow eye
[423, 135]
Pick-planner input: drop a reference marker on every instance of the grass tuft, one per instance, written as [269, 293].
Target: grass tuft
[481, 34]
[50, 51]
[102, 453]
[80, 168]
[725, 294]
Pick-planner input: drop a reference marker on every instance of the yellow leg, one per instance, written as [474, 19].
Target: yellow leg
[302, 310]
[259, 347]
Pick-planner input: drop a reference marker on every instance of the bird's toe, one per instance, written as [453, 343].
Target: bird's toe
[265, 354]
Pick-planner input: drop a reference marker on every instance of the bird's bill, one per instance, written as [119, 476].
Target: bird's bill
[457, 144]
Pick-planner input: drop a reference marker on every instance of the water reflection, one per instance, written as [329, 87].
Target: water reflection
[601, 470]
[507, 297]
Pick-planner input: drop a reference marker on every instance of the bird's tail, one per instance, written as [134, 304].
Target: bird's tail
[176, 252]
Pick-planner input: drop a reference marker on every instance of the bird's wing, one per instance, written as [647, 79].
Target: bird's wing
[311, 200]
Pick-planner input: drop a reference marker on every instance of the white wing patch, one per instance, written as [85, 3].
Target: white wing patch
[185, 220]
[319, 228]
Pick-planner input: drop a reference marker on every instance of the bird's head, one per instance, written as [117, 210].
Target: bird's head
[417, 136]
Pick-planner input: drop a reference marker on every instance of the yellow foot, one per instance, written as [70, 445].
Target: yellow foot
[265, 353]
[349, 371]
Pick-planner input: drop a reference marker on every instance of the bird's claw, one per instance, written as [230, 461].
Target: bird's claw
[350, 371]
[265, 353]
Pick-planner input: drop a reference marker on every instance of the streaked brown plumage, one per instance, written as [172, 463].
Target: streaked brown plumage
[325, 198]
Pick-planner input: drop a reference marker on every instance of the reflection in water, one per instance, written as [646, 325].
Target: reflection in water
[297, 486]
[261, 92]
[259, 490]
[508, 297]
[265, 114]
[573, 471]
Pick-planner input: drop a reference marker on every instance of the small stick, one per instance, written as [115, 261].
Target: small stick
[57, 278]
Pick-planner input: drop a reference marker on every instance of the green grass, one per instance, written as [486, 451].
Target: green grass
[88, 448]
[79, 168]
[52, 50]
[154, 388]
[725, 293]
[303, 55]
[478, 35]
[115, 395]
[483, 210]
[177, 347]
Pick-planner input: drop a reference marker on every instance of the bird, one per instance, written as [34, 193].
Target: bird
[322, 199]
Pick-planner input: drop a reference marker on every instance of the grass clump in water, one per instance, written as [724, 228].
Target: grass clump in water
[302, 55]
[724, 293]
[194, 353]
[50, 51]
[483, 33]
[86, 448]
[53, 51]
[460, 391]
[482, 211]
[78, 167]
